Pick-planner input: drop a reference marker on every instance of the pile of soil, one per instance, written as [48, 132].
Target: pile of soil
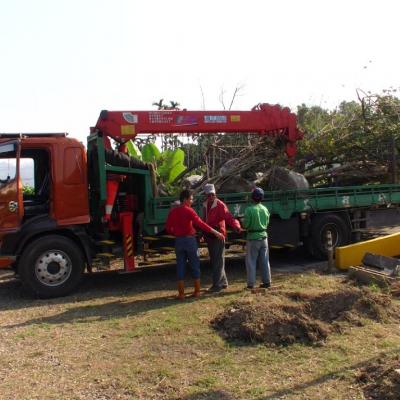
[381, 378]
[287, 317]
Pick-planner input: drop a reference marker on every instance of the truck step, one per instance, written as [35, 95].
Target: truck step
[149, 251]
[105, 255]
[105, 242]
[150, 238]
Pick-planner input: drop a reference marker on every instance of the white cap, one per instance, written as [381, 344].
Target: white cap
[175, 203]
[209, 188]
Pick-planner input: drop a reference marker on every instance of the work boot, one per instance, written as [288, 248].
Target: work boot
[181, 290]
[217, 289]
[196, 292]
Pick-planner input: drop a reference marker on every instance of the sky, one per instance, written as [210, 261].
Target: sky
[63, 61]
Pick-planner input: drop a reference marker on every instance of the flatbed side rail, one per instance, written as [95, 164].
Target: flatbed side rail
[287, 203]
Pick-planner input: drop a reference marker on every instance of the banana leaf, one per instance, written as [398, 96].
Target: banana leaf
[133, 150]
[176, 170]
[172, 165]
[150, 153]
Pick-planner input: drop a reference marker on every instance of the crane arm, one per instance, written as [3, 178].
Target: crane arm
[264, 119]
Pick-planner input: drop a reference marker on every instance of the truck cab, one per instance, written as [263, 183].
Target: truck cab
[43, 193]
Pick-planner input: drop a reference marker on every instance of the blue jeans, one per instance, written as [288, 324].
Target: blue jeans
[186, 250]
[257, 255]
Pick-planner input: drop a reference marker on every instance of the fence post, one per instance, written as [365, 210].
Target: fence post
[331, 262]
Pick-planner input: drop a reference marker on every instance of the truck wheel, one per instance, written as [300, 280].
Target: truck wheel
[51, 266]
[320, 224]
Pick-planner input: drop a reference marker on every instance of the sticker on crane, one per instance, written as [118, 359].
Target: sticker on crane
[131, 118]
[215, 119]
[186, 120]
[160, 117]
[128, 130]
[235, 118]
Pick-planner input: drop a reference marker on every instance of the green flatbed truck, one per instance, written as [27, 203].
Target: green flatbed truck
[298, 217]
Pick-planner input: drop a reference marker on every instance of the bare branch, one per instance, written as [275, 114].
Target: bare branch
[203, 101]
[221, 97]
[235, 93]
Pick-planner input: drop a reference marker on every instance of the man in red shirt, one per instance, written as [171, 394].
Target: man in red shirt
[181, 223]
[217, 215]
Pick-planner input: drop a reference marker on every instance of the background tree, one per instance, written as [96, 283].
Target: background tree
[356, 143]
[353, 144]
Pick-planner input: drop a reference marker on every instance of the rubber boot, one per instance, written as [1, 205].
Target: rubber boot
[181, 290]
[196, 292]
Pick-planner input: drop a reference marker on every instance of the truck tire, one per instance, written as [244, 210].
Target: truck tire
[320, 224]
[51, 266]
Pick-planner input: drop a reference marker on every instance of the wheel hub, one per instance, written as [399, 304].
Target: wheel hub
[53, 268]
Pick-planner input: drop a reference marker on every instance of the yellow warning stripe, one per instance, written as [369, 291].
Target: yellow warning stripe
[129, 245]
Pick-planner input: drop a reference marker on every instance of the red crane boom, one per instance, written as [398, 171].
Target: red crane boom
[264, 119]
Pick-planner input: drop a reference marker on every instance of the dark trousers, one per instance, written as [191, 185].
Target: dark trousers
[216, 251]
[186, 251]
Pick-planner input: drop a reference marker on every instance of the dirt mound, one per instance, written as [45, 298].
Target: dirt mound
[381, 379]
[293, 316]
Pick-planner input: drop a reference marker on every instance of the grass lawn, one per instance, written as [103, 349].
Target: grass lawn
[126, 337]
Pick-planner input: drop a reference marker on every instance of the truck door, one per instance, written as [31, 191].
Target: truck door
[11, 202]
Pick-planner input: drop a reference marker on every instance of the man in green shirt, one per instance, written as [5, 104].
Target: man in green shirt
[256, 220]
